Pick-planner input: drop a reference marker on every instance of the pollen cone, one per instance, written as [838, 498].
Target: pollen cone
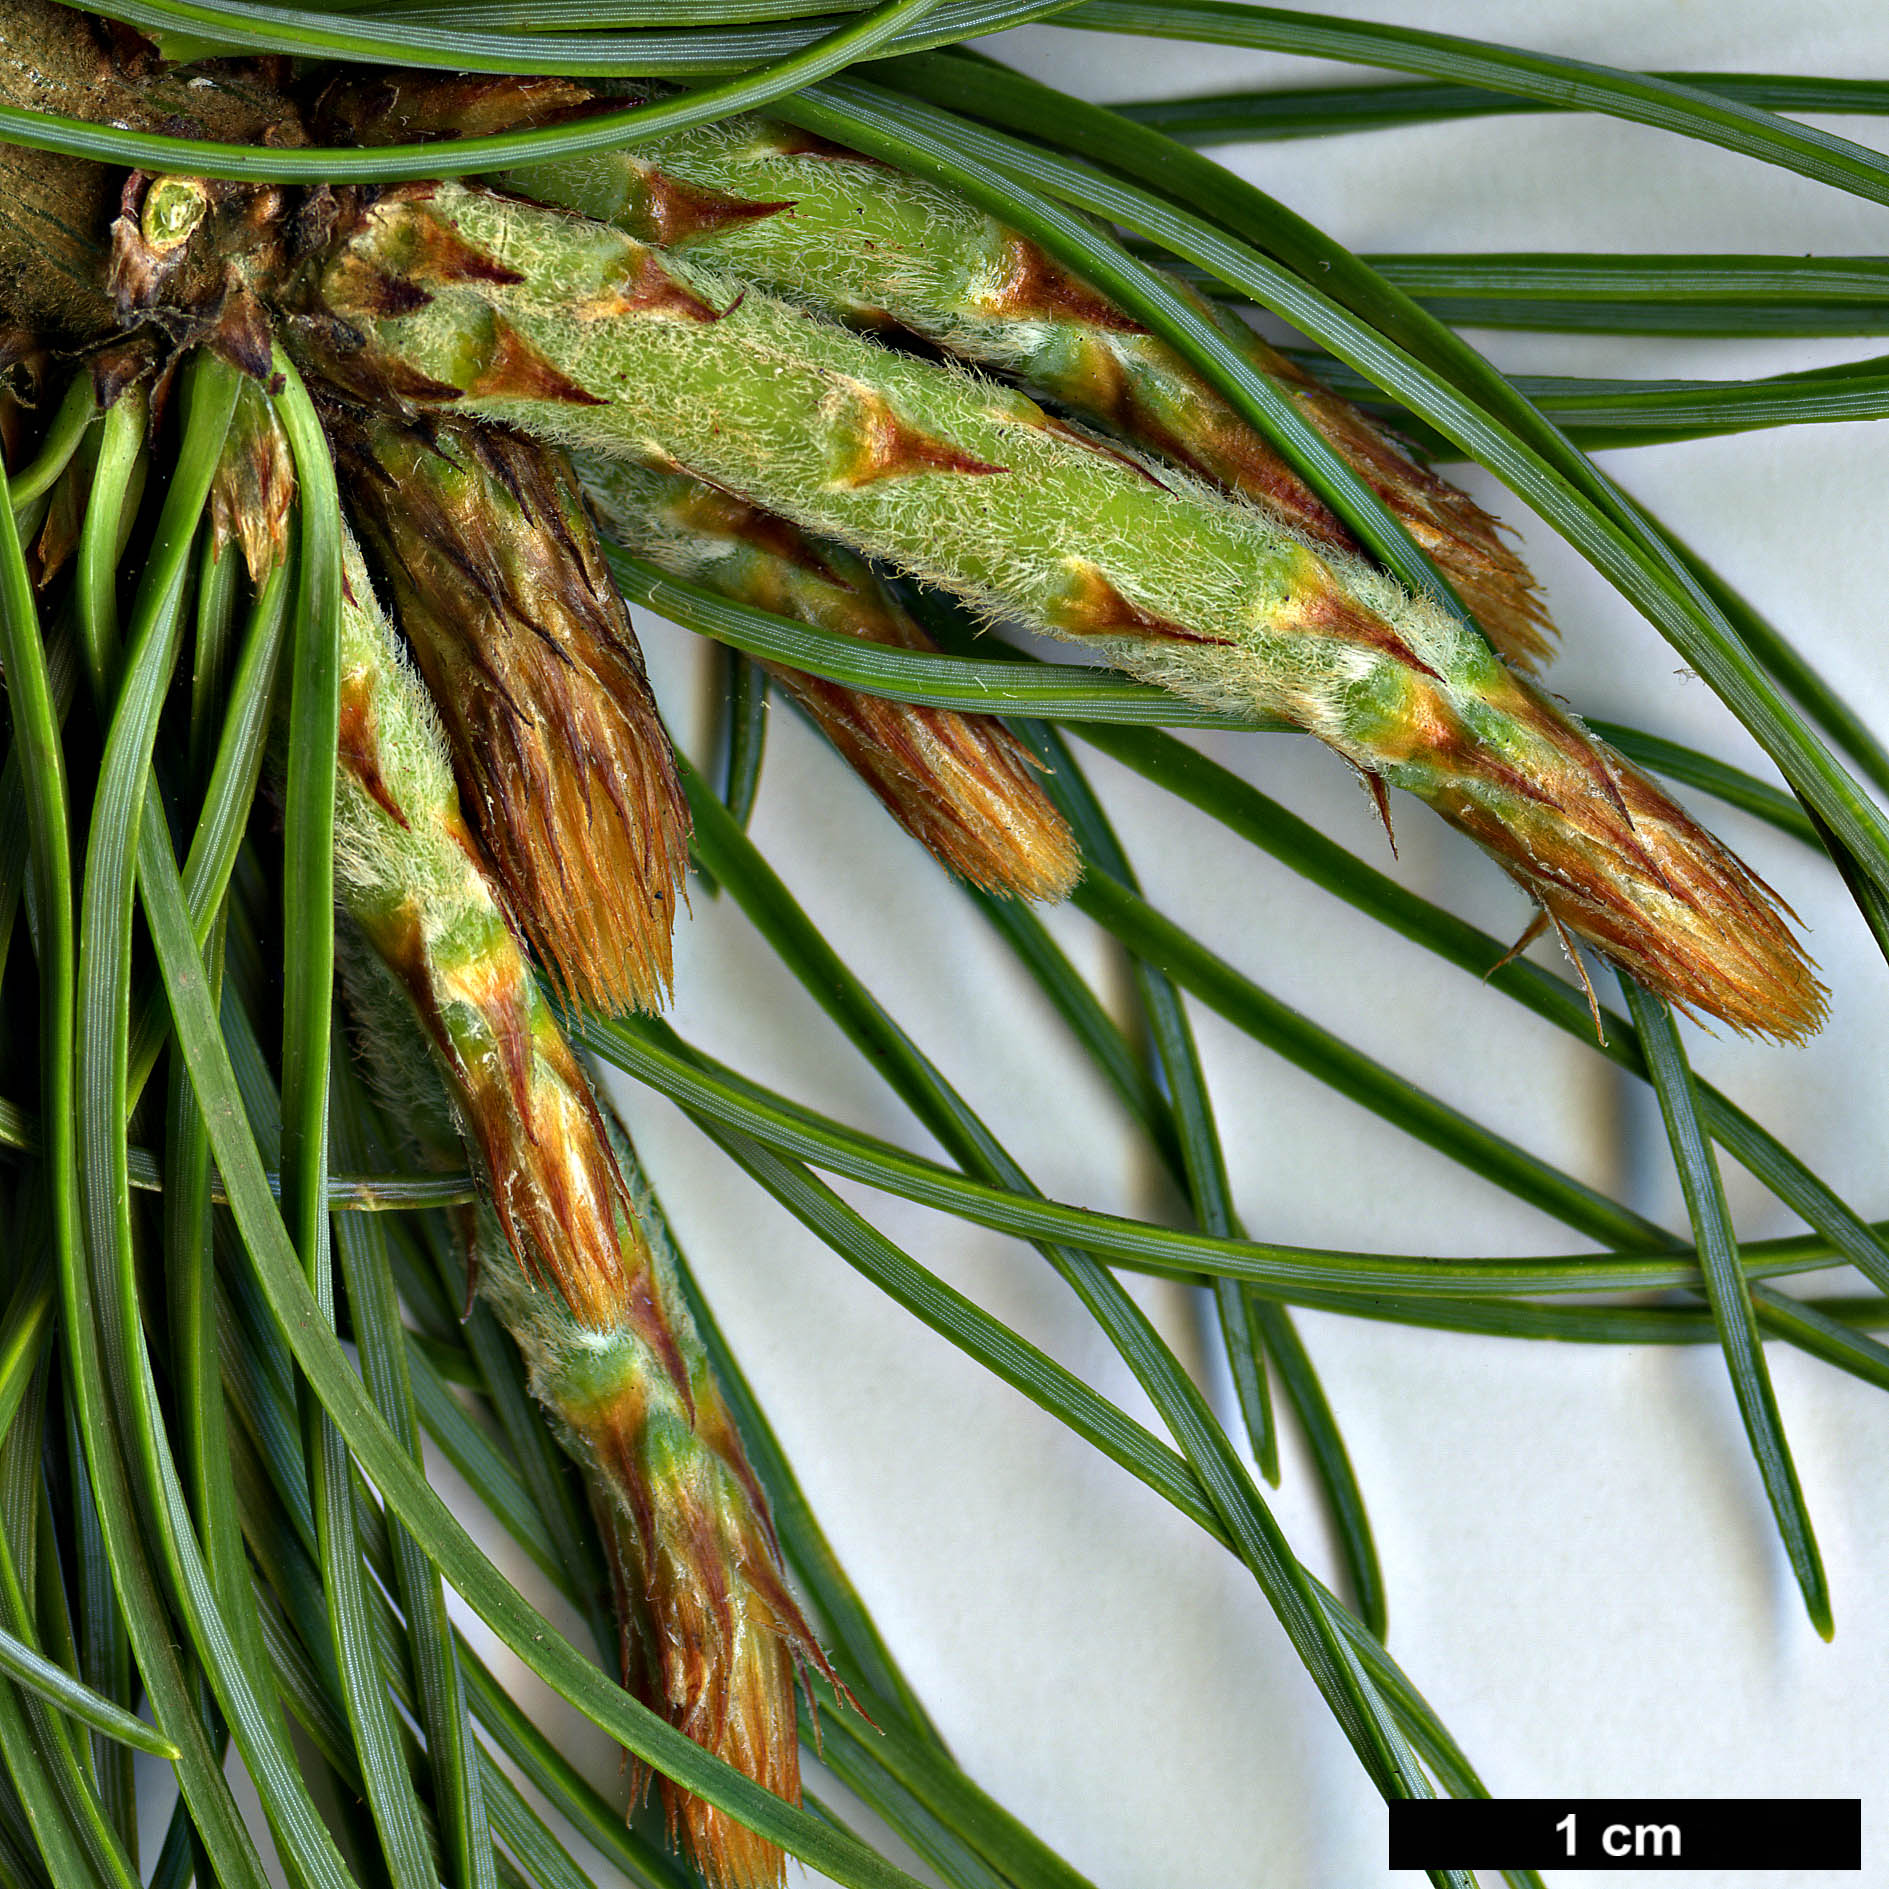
[569, 1251]
[962, 785]
[557, 746]
[873, 246]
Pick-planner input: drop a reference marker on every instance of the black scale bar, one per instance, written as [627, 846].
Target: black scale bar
[1716, 1833]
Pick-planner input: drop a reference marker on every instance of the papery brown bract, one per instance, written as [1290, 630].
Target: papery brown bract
[254, 486]
[25, 365]
[500, 587]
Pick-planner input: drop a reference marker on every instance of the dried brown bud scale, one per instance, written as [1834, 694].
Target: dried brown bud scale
[499, 585]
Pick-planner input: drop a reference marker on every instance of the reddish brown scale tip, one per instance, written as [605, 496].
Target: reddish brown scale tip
[1091, 605]
[528, 650]
[669, 211]
[649, 287]
[712, 1640]
[1464, 542]
[886, 445]
[515, 370]
[1033, 286]
[1611, 857]
[357, 747]
[393, 108]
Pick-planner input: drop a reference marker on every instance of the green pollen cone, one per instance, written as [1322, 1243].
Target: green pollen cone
[874, 247]
[570, 1254]
[444, 297]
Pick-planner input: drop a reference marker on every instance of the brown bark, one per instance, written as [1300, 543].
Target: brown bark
[55, 212]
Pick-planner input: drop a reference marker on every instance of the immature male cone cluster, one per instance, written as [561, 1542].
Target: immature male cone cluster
[564, 328]
[687, 329]
[444, 299]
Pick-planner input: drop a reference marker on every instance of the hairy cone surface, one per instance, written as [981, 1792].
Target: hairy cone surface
[571, 1256]
[962, 785]
[973, 487]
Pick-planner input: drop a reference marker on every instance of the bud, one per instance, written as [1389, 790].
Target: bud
[202, 260]
[970, 486]
[560, 754]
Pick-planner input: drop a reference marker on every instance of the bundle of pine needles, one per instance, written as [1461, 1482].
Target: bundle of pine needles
[359, 375]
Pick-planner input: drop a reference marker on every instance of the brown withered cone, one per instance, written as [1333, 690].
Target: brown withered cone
[560, 754]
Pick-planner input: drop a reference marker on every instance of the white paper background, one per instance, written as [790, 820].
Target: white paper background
[1583, 1574]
